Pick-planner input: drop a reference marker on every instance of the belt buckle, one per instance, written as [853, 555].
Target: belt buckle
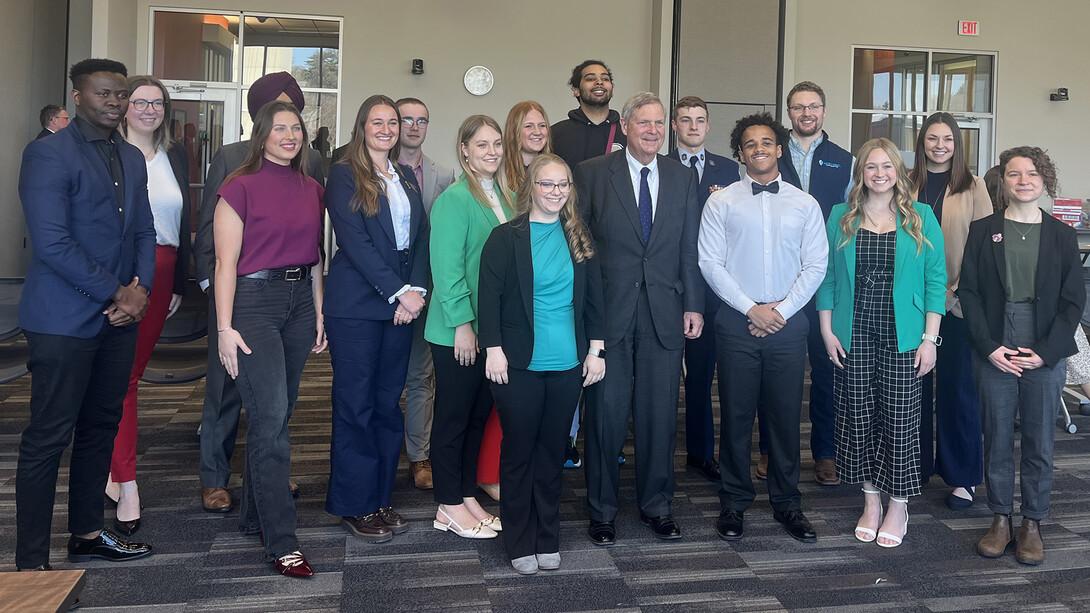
[294, 274]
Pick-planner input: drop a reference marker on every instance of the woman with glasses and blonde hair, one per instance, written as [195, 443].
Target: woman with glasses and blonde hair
[465, 214]
[1022, 293]
[541, 328]
[879, 307]
[942, 179]
[168, 193]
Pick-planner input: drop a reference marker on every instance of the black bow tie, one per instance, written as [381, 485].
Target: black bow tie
[772, 188]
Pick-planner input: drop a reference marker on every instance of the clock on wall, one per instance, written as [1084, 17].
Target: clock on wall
[478, 80]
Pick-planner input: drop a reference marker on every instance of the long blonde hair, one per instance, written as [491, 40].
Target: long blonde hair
[902, 195]
[469, 129]
[512, 141]
[579, 242]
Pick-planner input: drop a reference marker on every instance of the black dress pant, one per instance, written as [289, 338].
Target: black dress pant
[535, 410]
[220, 413]
[463, 403]
[769, 370]
[77, 388]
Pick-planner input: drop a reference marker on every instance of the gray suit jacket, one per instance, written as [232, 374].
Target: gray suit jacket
[666, 266]
[227, 160]
[436, 179]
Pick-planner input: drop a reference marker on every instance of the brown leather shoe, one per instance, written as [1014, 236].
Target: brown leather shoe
[825, 472]
[998, 538]
[368, 528]
[762, 467]
[216, 499]
[1030, 549]
[421, 474]
[293, 487]
[392, 520]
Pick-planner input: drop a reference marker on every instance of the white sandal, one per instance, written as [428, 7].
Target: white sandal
[869, 534]
[480, 531]
[886, 535]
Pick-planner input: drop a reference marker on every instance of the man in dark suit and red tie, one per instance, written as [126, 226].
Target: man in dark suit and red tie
[691, 123]
[85, 199]
[643, 212]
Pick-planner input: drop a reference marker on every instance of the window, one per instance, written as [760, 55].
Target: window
[894, 90]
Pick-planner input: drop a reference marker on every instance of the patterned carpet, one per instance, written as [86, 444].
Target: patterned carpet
[202, 563]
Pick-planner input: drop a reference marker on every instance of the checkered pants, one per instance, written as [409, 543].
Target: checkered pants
[877, 393]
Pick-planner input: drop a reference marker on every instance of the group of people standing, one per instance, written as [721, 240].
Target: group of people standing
[511, 284]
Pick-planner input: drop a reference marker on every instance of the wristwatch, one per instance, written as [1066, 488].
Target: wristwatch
[598, 353]
[934, 338]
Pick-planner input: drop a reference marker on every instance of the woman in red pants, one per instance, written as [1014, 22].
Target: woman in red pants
[168, 192]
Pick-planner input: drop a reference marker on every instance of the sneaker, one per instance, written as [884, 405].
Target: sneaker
[571, 456]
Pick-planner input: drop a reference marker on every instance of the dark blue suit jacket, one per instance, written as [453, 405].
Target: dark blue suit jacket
[84, 250]
[364, 273]
[719, 172]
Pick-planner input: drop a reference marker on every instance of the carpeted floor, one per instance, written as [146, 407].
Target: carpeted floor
[202, 563]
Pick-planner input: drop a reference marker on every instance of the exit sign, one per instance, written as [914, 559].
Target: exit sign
[969, 28]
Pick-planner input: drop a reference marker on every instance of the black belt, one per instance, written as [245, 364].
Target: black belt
[294, 273]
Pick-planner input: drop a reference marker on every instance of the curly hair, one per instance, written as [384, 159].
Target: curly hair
[756, 119]
[1040, 160]
[577, 72]
[579, 240]
[911, 221]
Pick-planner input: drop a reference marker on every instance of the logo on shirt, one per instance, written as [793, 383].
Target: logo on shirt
[829, 164]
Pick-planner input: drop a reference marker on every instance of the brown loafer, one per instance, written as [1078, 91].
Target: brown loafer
[1030, 549]
[216, 499]
[998, 538]
[762, 467]
[825, 472]
[293, 487]
[392, 520]
[421, 472]
[368, 528]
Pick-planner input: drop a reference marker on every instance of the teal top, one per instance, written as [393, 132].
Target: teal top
[1022, 245]
[554, 311]
[919, 280]
[459, 227]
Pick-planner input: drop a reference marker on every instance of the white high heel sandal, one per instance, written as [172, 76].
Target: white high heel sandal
[886, 535]
[869, 534]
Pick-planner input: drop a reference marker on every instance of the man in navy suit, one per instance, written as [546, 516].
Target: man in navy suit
[689, 121]
[85, 199]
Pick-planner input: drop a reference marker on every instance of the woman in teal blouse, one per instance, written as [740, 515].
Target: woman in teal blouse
[880, 307]
[463, 216]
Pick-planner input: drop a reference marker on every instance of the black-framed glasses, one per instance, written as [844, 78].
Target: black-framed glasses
[813, 108]
[140, 104]
[549, 186]
[409, 121]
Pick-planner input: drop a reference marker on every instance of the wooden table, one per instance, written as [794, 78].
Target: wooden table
[40, 592]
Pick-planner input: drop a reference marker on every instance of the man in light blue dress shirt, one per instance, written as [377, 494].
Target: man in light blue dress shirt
[763, 251]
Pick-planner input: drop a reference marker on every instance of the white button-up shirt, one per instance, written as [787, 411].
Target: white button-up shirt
[634, 168]
[760, 248]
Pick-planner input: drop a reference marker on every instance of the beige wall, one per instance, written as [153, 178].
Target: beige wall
[529, 47]
[1041, 47]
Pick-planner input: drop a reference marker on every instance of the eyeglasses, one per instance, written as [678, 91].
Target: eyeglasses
[549, 186]
[409, 121]
[140, 104]
[813, 108]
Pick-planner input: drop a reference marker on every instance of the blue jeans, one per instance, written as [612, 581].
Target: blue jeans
[276, 320]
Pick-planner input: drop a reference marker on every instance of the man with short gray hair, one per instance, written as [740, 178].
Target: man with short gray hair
[643, 211]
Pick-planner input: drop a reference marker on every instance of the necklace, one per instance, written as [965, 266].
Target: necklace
[872, 222]
[1031, 224]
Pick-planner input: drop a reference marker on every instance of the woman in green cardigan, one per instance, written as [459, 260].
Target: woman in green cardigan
[880, 307]
[463, 217]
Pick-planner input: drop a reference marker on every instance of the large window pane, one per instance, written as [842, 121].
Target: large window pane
[306, 48]
[194, 46]
[961, 82]
[889, 80]
[901, 129]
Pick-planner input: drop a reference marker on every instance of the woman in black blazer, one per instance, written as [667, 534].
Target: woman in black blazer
[1022, 294]
[375, 290]
[168, 194]
[540, 314]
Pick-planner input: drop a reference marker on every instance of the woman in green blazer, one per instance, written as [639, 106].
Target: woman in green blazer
[463, 217]
[880, 307]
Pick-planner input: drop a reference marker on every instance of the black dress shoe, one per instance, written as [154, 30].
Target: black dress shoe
[105, 546]
[796, 524]
[602, 533]
[40, 567]
[708, 468]
[663, 526]
[730, 525]
[127, 527]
